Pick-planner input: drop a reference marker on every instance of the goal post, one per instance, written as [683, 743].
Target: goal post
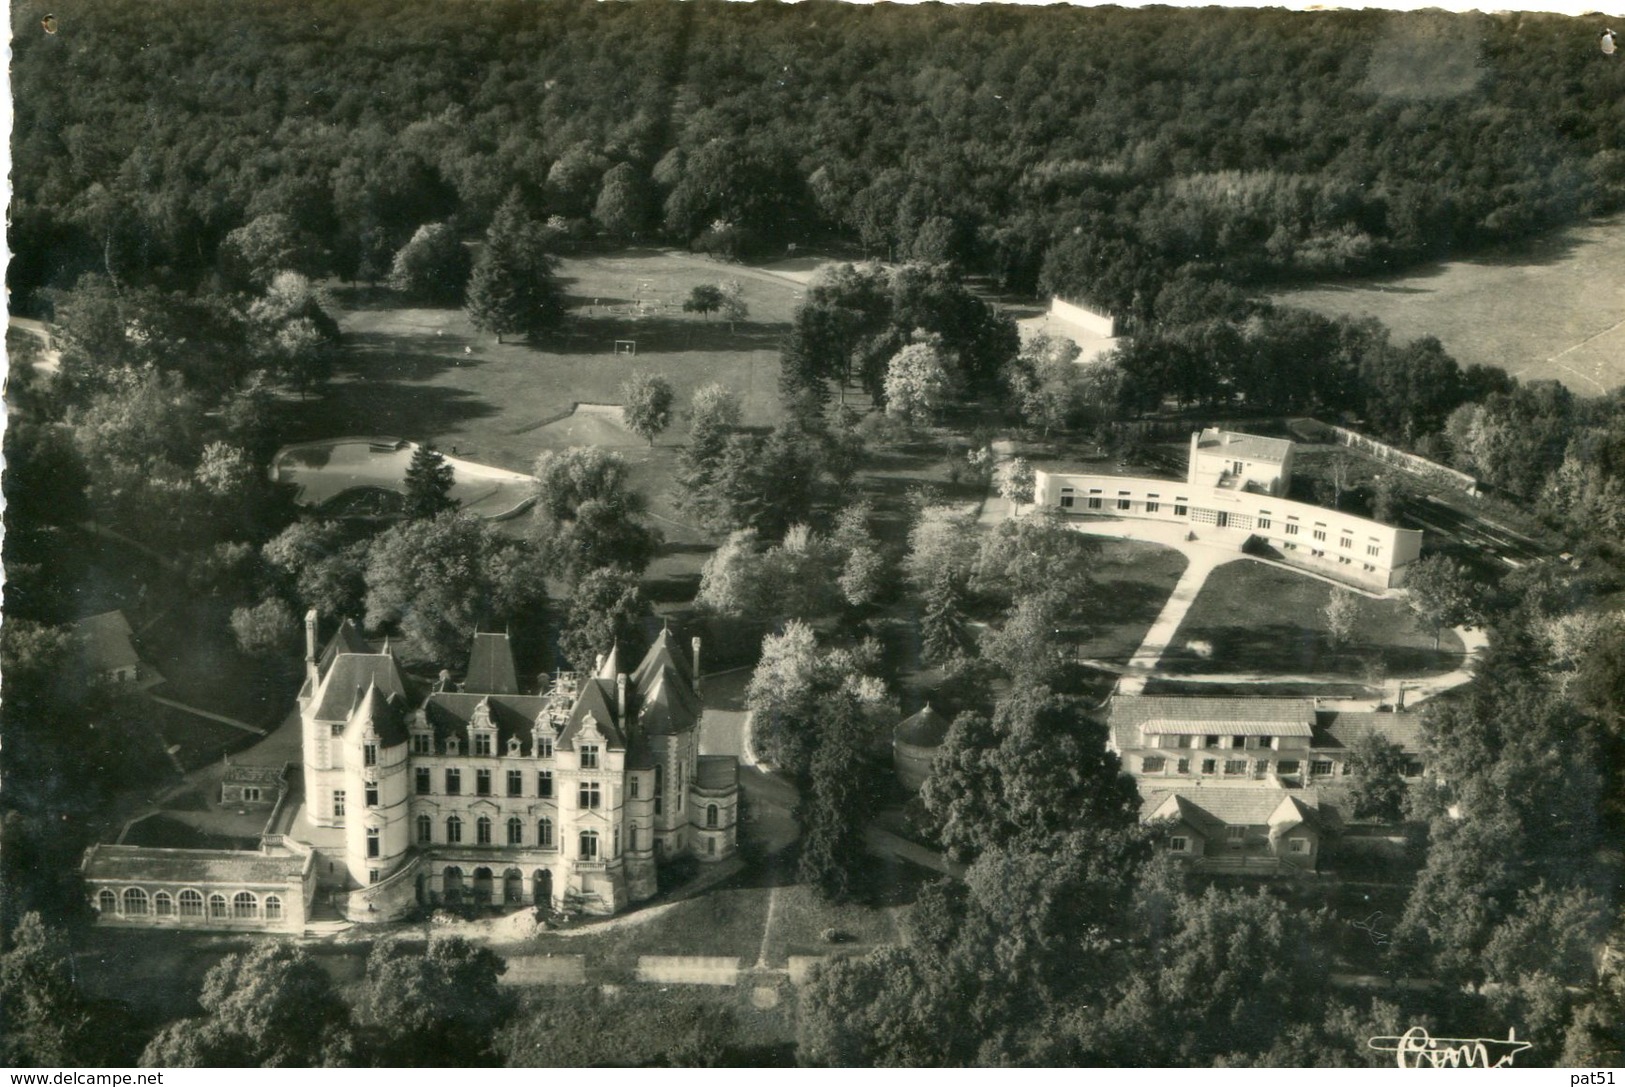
[626, 347]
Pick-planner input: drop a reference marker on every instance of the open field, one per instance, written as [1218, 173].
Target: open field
[1250, 617]
[1132, 583]
[1552, 309]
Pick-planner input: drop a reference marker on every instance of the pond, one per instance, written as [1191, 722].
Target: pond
[323, 470]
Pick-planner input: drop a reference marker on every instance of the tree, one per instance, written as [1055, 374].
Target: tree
[46, 1021]
[325, 569]
[565, 479]
[941, 539]
[434, 1008]
[731, 580]
[432, 266]
[269, 629]
[624, 206]
[781, 697]
[872, 1011]
[917, 383]
[704, 299]
[734, 308]
[1378, 766]
[429, 480]
[1341, 610]
[433, 582]
[943, 636]
[646, 405]
[713, 408]
[606, 609]
[255, 252]
[514, 289]
[271, 1007]
[1016, 480]
[1438, 590]
[843, 793]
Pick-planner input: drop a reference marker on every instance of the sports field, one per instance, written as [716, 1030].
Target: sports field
[1554, 308]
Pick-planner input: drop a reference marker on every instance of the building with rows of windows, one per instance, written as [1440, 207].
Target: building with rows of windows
[1232, 493]
[471, 793]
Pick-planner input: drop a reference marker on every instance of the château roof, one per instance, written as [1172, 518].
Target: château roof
[347, 681]
[716, 773]
[490, 666]
[385, 711]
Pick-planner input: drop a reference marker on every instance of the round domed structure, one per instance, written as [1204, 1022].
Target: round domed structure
[915, 742]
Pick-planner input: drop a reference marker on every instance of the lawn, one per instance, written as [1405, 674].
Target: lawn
[1132, 583]
[1553, 308]
[1253, 617]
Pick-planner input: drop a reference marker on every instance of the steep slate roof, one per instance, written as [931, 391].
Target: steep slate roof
[348, 679]
[490, 666]
[514, 714]
[1133, 717]
[1336, 729]
[1249, 446]
[200, 867]
[1207, 806]
[928, 728]
[666, 652]
[716, 773]
[386, 712]
[595, 699]
[106, 638]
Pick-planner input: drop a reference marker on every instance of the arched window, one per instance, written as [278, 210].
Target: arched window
[245, 906]
[544, 833]
[107, 901]
[135, 902]
[711, 815]
[454, 829]
[217, 907]
[191, 904]
[516, 831]
[482, 831]
[425, 829]
[589, 845]
[163, 905]
[273, 908]
[372, 841]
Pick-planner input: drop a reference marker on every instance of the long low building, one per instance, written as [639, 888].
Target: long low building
[266, 890]
[1353, 549]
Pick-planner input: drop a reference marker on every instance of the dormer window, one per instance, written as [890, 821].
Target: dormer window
[589, 756]
[482, 743]
[544, 747]
[369, 753]
[452, 745]
[422, 743]
[513, 745]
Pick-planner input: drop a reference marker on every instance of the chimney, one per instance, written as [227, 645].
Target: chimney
[310, 647]
[620, 696]
[694, 644]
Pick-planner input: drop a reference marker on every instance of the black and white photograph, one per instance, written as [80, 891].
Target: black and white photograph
[698, 534]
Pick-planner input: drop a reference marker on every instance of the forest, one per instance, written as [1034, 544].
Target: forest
[1093, 152]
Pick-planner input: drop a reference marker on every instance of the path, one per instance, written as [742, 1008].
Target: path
[884, 843]
[232, 722]
[1200, 563]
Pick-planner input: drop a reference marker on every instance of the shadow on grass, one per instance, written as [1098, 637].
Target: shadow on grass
[1289, 649]
[373, 406]
[660, 334]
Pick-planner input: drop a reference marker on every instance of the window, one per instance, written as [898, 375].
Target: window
[1262, 766]
[1319, 534]
[338, 803]
[544, 833]
[1178, 844]
[1181, 507]
[369, 754]
[1373, 550]
[544, 747]
[338, 730]
[245, 906]
[425, 829]
[1263, 520]
[1094, 501]
[191, 904]
[516, 831]
[482, 831]
[422, 775]
[217, 907]
[711, 815]
[589, 845]
[1320, 766]
[454, 782]
[1067, 498]
[1235, 834]
[273, 908]
[589, 757]
[1291, 529]
[482, 782]
[454, 829]
[1122, 500]
[513, 745]
[635, 781]
[1152, 505]
[482, 743]
[1152, 764]
[1287, 766]
[422, 743]
[1209, 766]
[516, 783]
[589, 795]
[1297, 845]
[372, 841]
[1235, 766]
[1345, 541]
[711, 847]
[1238, 741]
[453, 745]
[251, 793]
[135, 902]
[544, 783]
[615, 850]
[373, 875]
[370, 796]
[1183, 766]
